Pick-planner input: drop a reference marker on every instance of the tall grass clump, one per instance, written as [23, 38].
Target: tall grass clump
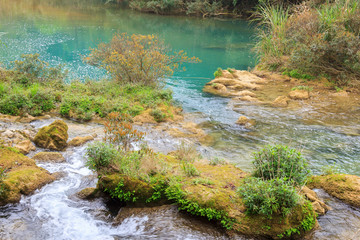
[271, 35]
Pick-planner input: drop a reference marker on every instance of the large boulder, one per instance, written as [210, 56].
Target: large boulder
[53, 137]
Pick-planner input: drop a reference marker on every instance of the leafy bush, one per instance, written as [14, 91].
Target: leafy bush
[279, 161]
[31, 68]
[100, 155]
[158, 115]
[268, 197]
[139, 59]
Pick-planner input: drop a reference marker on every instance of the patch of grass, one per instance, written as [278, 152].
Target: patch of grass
[305, 88]
[158, 115]
[218, 73]
[330, 169]
[216, 161]
[189, 169]
[203, 181]
[296, 74]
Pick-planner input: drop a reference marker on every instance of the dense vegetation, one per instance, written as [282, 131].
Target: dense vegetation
[31, 86]
[319, 38]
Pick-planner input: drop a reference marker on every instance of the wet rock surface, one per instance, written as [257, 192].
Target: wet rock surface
[49, 157]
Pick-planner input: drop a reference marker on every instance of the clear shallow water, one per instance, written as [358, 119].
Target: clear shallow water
[64, 31]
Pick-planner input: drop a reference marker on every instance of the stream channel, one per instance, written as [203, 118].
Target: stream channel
[63, 31]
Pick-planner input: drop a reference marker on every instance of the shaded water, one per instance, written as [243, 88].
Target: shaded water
[63, 31]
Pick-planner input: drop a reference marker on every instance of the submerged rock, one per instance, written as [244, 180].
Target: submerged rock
[299, 95]
[22, 176]
[248, 123]
[281, 101]
[53, 137]
[49, 157]
[78, 141]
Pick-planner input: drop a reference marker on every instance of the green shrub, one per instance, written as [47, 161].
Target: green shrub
[100, 155]
[31, 68]
[14, 103]
[330, 169]
[268, 197]
[218, 73]
[158, 115]
[279, 161]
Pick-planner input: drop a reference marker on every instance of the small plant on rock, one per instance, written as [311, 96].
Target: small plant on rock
[279, 161]
[268, 197]
[218, 73]
[100, 155]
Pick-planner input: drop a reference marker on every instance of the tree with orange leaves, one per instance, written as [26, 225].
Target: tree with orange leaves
[119, 131]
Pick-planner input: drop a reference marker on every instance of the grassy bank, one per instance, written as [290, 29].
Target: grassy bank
[138, 65]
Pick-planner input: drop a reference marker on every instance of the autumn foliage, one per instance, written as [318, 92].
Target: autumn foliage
[138, 59]
[120, 132]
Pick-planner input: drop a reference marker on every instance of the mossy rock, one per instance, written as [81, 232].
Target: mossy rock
[53, 137]
[342, 186]
[212, 195]
[129, 189]
[22, 175]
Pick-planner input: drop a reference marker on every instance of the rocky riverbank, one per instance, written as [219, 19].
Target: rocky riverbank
[317, 98]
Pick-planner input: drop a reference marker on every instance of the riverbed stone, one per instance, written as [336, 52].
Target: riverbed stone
[53, 137]
[78, 141]
[25, 146]
[281, 101]
[49, 157]
[244, 121]
[88, 193]
[299, 94]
